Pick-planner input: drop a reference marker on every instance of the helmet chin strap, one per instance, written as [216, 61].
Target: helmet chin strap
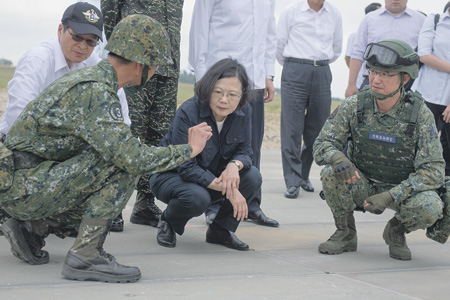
[382, 97]
[144, 75]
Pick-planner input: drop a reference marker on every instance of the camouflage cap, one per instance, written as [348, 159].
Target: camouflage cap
[407, 60]
[141, 39]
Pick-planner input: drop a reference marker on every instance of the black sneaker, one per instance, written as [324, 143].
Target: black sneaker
[25, 244]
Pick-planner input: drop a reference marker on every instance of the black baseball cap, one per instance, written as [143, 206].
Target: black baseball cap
[84, 18]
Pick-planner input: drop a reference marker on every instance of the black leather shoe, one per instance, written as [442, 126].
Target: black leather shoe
[25, 244]
[225, 238]
[166, 237]
[258, 217]
[291, 192]
[148, 216]
[307, 186]
[210, 218]
[117, 224]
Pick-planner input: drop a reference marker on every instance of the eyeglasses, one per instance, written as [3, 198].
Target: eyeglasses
[388, 57]
[216, 94]
[78, 38]
[383, 75]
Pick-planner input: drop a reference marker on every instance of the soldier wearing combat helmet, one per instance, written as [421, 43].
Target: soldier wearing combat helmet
[394, 158]
[70, 159]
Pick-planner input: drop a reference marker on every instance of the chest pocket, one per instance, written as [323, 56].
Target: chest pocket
[232, 143]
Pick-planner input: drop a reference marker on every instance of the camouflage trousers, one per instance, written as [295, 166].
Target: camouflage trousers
[151, 109]
[62, 193]
[419, 211]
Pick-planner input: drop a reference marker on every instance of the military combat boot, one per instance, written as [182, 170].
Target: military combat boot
[145, 211]
[87, 260]
[344, 238]
[25, 243]
[394, 236]
[117, 224]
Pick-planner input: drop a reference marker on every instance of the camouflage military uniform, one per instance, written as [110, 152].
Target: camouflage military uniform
[416, 202]
[152, 107]
[74, 156]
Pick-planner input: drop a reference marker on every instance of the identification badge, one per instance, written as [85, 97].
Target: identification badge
[382, 137]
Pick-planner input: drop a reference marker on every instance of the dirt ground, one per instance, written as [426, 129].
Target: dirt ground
[271, 129]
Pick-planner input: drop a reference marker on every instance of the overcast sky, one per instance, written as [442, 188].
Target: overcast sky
[25, 23]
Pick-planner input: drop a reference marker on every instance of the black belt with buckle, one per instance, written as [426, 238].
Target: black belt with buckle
[316, 63]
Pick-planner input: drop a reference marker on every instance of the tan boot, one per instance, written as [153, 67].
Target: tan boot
[87, 260]
[394, 236]
[344, 238]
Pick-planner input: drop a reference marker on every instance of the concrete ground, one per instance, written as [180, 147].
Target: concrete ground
[283, 263]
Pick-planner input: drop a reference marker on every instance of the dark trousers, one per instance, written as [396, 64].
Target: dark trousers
[257, 139]
[186, 200]
[437, 111]
[305, 106]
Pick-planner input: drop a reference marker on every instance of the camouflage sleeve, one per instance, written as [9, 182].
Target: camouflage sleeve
[111, 14]
[429, 163]
[333, 136]
[103, 128]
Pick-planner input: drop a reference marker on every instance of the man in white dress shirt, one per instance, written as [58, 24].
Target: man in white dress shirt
[243, 30]
[53, 58]
[79, 32]
[393, 21]
[309, 39]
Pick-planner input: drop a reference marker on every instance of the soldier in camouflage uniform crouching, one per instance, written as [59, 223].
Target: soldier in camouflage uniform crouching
[69, 157]
[394, 157]
[152, 106]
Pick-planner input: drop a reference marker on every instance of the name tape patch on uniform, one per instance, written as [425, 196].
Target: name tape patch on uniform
[382, 137]
[116, 111]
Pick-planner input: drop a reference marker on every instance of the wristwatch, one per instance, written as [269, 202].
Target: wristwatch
[237, 163]
[271, 77]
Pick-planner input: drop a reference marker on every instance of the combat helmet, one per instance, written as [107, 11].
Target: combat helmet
[141, 39]
[392, 55]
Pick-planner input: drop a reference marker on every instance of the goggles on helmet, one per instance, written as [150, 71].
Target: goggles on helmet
[386, 56]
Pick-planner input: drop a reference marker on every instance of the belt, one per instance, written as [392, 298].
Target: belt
[315, 63]
[26, 160]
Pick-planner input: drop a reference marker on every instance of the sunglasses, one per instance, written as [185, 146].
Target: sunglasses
[78, 38]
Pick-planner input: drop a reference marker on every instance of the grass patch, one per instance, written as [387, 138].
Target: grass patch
[6, 73]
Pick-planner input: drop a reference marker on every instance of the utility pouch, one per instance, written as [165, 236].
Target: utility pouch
[6, 167]
[440, 230]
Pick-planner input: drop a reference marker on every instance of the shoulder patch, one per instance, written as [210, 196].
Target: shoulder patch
[333, 114]
[116, 111]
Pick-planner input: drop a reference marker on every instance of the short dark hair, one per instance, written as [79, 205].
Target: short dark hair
[225, 68]
[447, 6]
[371, 7]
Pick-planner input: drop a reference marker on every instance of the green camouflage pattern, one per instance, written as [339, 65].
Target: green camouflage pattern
[374, 150]
[440, 231]
[92, 161]
[6, 167]
[168, 13]
[416, 201]
[405, 51]
[141, 39]
[419, 211]
[151, 109]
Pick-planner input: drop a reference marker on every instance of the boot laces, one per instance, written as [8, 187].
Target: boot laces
[102, 251]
